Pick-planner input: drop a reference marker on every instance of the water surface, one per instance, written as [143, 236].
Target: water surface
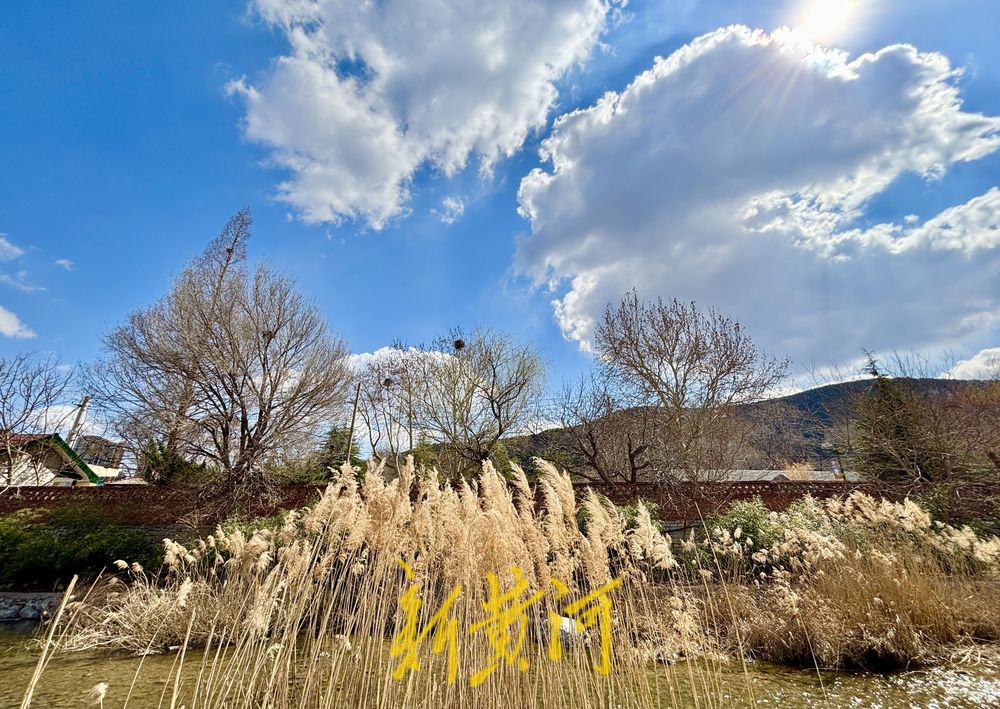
[972, 682]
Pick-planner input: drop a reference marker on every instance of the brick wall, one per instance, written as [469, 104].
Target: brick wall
[161, 509]
[692, 502]
[144, 505]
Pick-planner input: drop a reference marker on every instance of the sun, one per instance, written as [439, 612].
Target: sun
[826, 20]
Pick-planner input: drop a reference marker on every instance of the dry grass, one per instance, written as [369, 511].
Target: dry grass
[798, 471]
[307, 616]
[851, 584]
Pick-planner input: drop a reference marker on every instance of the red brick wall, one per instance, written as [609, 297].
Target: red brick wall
[138, 505]
[155, 506]
[692, 502]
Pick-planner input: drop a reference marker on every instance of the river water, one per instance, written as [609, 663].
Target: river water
[973, 682]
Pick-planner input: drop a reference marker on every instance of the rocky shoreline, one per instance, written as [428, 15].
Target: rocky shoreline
[16, 607]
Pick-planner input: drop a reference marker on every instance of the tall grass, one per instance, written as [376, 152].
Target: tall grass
[855, 583]
[308, 615]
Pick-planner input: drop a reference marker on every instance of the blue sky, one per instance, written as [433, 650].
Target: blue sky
[131, 131]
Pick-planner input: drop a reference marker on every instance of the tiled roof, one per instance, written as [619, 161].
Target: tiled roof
[17, 438]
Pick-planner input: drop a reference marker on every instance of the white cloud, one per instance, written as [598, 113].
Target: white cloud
[735, 173]
[985, 364]
[451, 209]
[19, 281]
[370, 92]
[64, 263]
[11, 325]
[358, 361]
[60, 418]
[9, 251]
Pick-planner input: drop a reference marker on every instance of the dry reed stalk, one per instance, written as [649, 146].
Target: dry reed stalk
[45, 655]
[306, 616]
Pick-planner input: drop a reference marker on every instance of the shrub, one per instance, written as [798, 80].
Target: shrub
[249, 526]
[630, 512]
[746, 526]
[42, 549]
[159, 465]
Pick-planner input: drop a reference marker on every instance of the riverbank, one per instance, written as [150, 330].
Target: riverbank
[972, 682]
[838, 584]
[27, 606]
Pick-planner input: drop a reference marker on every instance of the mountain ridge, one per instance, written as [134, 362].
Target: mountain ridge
[798, 425]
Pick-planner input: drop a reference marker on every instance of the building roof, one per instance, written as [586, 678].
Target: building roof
[99, 451]
[744, 476]
[20, 438]
[56, 441]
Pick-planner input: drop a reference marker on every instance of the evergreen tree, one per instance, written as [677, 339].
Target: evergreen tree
[895, 441]
[330, 454]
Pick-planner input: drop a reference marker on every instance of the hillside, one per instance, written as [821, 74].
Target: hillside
[832, 401]
[793, 427]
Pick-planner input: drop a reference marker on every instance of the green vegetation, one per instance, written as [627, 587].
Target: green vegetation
[159, 465]
[908, 433]
[41, 550]
[330, 456]
[248, 526]
[890, 445]
[320, 465]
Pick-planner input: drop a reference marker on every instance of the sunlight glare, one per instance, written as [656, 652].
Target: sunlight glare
[826, 20]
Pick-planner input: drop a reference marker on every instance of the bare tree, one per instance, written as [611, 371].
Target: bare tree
[213, 268]
[696, 367]
[229, 368]
[600, 438]
[271, 374]
[459, 395]
[782, 435]
[385, 403]
[470, 393]
[145, 384]
[33, 400]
